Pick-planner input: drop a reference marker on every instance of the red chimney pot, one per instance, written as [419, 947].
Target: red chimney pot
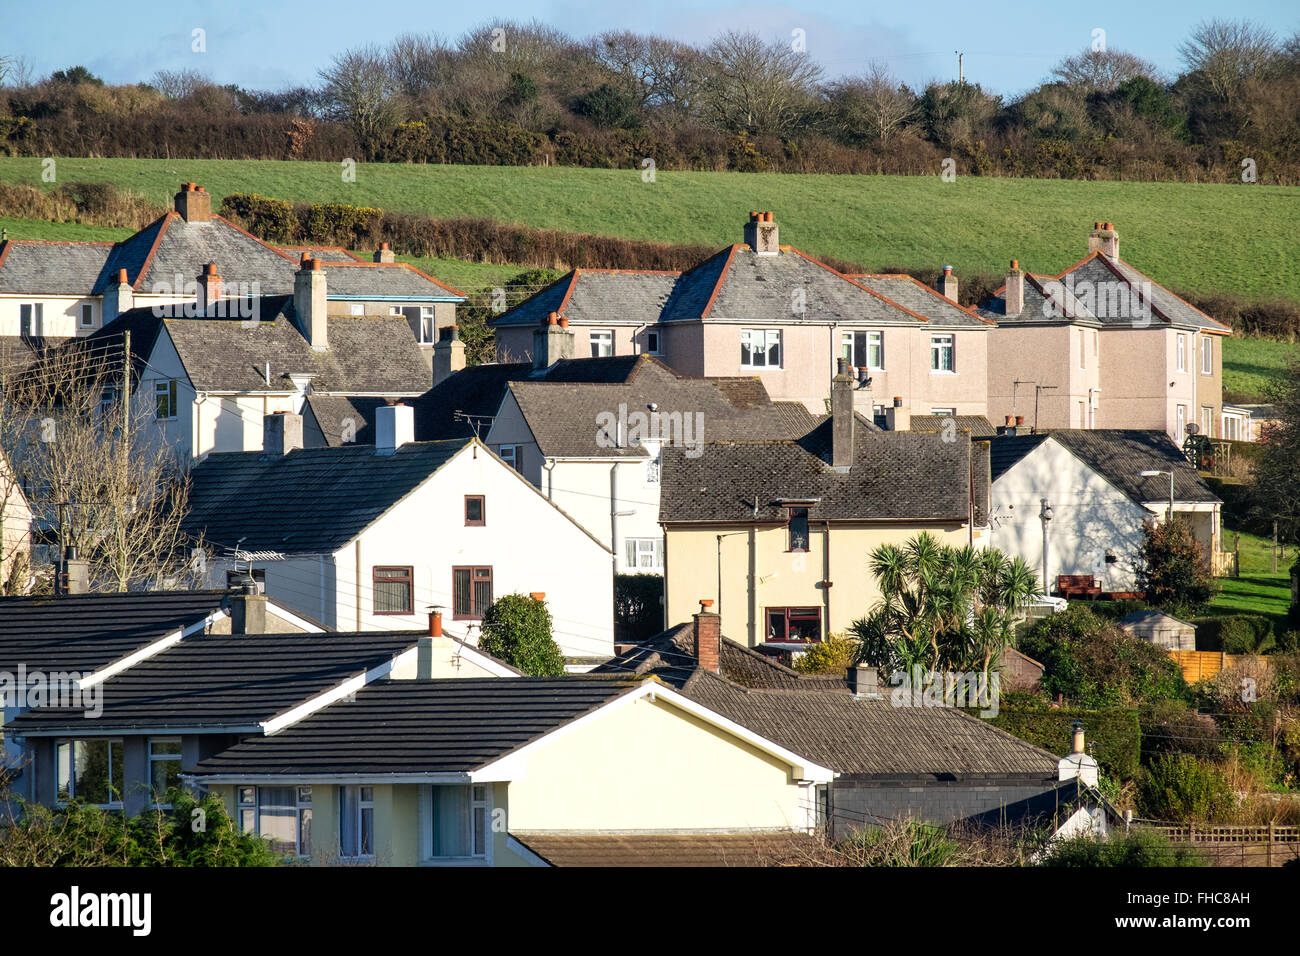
[537, 595]
[1020, 420]
[121, 277]
[435, 624]
[1015, 264]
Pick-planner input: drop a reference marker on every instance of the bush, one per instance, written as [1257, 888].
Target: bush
[832, 656]
[1113, 736]
[1170, 726]
[1174, 573]
[1181, 788]
[638, 606]
[1137, 848]
[1234, 633]
[517, 629]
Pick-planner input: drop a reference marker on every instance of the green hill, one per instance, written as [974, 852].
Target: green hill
[1195, 238]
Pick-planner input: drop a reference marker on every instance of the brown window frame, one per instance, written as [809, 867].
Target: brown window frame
[409, 581]
[807, 612]
[482, 511]
[475, 613]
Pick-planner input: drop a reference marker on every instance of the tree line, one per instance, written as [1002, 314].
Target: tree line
[512, 93]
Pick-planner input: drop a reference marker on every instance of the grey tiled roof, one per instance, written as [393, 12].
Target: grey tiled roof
[920, 298]
[895, 475]
[386, 278]
[421, 726]
[977, 425]
[323, 253]
[53, 268]
[326, 417]
[1043, 302]
[596, 297]
[184, 248]
[695, 849]
[310, 500]
[226, 681]
[1118, 455]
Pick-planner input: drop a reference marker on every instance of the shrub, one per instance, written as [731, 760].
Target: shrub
[1174, 571]
[1137, 848]
[1179, 788]
[1170, 726]
[833, 655]
[638, 606]
[1113, 736]
[517, 629]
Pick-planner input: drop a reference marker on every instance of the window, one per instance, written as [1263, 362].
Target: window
[602, 342]
[165, 395]
[164, 764]
[794, 624]
[863, 349]
[471, 592]
[357, 308]
[1207, 421]
[1083, 353]
[760, 348]
[1182, 352]
[459, 818]
[357, 822]
[280, 815]
[950, 412]
[1180, 423]
[644, 554]
[392, 590]
[422, 323]
[510, 455]
[87, 319]
[1207, 356]
[652, 469]
[1083, 415]
[90, 770]
[652, 346]
[31, 320]
[798, 530]
[941, 357]
[475, 511]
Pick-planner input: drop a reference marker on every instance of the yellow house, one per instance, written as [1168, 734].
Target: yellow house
[778, 533]
[467, 771]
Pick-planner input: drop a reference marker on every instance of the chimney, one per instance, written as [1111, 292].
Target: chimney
[708, 638]
[1015, 291]
[74, 576]
[309, 302]
[281, 434]
[248, 611]
[448, 354]
[1104, 239]
[384, 253]
[762, 235]
[864, 682]
[948, 284]
[119, 297]
[193, 204]
[394, 427]
[1078, 763]
[897, 418]
[209, 286]
[551, 342]
[842, 418]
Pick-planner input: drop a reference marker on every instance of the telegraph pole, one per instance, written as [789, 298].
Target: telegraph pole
[961, 75]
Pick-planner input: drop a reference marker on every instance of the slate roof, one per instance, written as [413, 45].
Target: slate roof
[325, 419]
[1118, 455]
[596, 297]
[895, 475]
[323, 253]
[374, 354]
[226, 681]
[1045, 300]
[451, 725]
[914, 294]
[84, 632]
[702, 848]
[54, 268]
[310, 500]
[977, 425]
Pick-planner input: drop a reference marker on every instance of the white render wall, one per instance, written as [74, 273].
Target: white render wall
[60, 314]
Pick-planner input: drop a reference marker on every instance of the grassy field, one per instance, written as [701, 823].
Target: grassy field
[1196, 238]
[1251, 365]
[34, 229]
[1258, 590]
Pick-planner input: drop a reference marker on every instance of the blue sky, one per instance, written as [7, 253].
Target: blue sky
[1009, 46]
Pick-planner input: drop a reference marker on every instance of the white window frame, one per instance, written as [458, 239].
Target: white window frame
[598, 340]
[243, 807]
[356, 796]
[1083, 350]
[428, 325]
[154, 758]
[1207, 421]
[1181, 351]
[654, 343]
[72, 744]
[480, 809]
[643, 554]
[950, 412]
[874, 342]
[1207, 355]
[86, 315]
[35, 319]
[357, 308]
[769, 337]
[939, 343]
[167, 387]
[1180, 423]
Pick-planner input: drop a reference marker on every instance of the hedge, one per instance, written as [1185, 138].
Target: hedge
[1113, 736]
[1234, 633]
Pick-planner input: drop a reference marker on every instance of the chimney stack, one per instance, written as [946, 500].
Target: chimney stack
[1014, 295]
[1078, 763]
[119, 297]
[1104, 239]
[898, 418]
[552, 341]
[842, 417]
[384, 253]
[309, 302]
[948, 284]
[248, 610]
[762, 234]
[708, 638]
[193, 204]
[864, 682]
[73, 575]
[394, 427]
[281, 434]
[209, 286]
[448, 354]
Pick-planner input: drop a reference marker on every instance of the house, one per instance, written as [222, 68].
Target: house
[894, 758]
[778, 531]
[761, 308]
[1091, 487]
[15, 525]
[1161, 629]
[1102, 345]
[523, 772]
[371, 537]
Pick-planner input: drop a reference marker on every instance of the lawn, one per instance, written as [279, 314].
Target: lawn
[1193, 238]
[38, 229]
[1251, 365]
[1259, 590]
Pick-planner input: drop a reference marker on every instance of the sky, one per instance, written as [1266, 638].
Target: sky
[1009, 47]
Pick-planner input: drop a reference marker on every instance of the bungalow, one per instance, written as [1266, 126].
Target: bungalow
[1073, 501]
[371, 537]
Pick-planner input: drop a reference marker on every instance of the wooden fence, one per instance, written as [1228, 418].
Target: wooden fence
[1266, 845]
[1204, 665]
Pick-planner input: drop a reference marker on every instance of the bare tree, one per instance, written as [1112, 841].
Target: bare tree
[663, 74]
[97, 474]
[1227, 52]
[359, 91]
[178, 84]
[1100, 71]
[756, 87]
[419, 63]
[872, 106]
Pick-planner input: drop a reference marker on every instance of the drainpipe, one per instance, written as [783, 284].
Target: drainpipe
[357, 581]
[548, 464]
[826, 576]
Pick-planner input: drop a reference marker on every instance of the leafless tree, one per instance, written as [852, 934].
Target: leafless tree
[1228, 52]
[419, 63]
[756, 87]
[359, 91]
[663, 74]
[1100, 71]
[872, 106]
[178, 84]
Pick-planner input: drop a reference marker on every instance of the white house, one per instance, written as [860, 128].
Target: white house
[372, 537]
[1084, 494]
